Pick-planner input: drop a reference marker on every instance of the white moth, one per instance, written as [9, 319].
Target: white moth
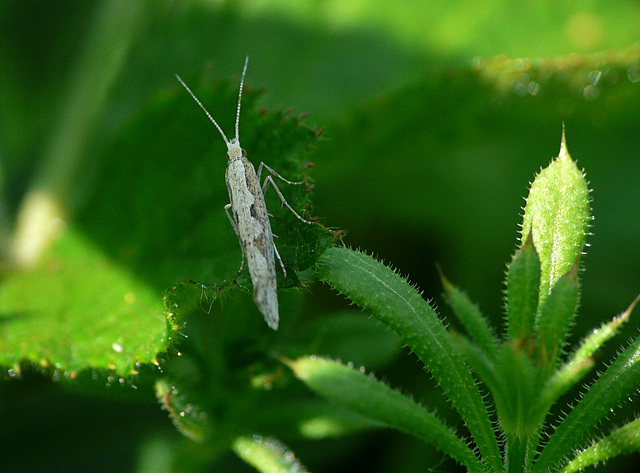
[250, 218]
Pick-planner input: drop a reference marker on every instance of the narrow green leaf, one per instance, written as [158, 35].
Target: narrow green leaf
[476, 324]
[389, 298]
[371, 398]
[617, 383]
[188, 418]
[557, 216]
[481, 363]
[622, 441]
[558, 384]
[599, 336]
[580, 363]
[523, 290]
[486, 367]
[267, 455]
[555, 318]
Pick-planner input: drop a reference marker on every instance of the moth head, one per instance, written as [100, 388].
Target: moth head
[234, 151]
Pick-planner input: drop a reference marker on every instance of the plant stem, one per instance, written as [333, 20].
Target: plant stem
[516, 449]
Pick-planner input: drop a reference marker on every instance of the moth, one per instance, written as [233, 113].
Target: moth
[249, 217]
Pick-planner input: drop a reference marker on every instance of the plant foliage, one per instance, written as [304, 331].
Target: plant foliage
[525, 372]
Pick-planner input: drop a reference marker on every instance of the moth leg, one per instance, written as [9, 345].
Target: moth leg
[235, 229]
[269, 180]
[273, 173]
[275, 250]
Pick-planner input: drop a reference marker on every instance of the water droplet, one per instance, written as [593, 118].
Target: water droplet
[594, 77]
[633, 73]
[533, 88]
[591, 92]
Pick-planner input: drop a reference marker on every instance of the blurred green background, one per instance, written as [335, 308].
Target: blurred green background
[433, 127]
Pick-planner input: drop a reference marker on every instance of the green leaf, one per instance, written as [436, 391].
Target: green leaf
[485, 366]
[559, 383]
[615, 385]
[555, 318]
[581, 361]
[476, 324]
[622, 441]
[601, 335]
[78, 309]
[523, 289]
[371, 398]
[390, 299]
[178, 172]
[188, 417]
[557, 216]
[267, 455]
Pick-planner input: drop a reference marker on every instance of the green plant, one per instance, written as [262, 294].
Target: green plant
[525, 372]
[88, 312]
[96, 145]
[222, 379]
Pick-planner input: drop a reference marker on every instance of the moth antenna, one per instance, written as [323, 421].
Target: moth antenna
[246, 61]
[226, 141]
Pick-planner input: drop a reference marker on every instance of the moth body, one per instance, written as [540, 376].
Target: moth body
[254, 233]
[250, 219]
